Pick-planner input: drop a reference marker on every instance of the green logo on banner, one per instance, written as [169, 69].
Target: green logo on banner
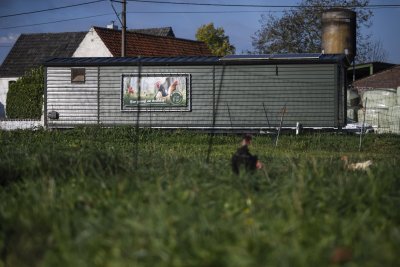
[176, 98]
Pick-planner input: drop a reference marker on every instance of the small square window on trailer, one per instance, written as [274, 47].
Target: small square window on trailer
[78, 75]
[232, 93]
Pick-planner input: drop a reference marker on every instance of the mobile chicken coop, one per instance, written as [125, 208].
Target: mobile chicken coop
[252, 92]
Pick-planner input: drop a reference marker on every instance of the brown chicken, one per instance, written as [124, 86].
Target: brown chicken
[341, 255]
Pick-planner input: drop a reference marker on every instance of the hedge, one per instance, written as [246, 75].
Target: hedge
[25, 96]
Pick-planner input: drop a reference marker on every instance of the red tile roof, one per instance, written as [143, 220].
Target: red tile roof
[138, 44]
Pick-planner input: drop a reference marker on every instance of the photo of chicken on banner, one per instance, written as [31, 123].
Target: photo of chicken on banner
[163, 93]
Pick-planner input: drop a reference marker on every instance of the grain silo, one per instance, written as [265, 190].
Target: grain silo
[339, 32]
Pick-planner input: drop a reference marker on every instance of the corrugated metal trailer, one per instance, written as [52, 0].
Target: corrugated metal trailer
[229, 93]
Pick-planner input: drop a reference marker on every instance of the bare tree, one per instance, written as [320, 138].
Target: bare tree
[299, 30]
[372, 51]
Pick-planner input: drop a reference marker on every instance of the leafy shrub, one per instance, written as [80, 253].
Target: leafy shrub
[25, 97]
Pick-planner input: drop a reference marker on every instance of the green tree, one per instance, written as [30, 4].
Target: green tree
[25, 96]
[215, 39]
[299, 30]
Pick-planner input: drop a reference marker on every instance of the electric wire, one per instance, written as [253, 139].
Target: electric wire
[205, 12]
[135, 12]
[116, 13]
[55, 21]
[374, 6]
[253, 5]
[145, 12]
[50, 9]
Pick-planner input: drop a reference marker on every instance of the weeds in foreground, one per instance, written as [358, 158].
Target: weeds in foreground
[79, 198]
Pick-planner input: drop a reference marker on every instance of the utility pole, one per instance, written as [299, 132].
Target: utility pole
[123, 41]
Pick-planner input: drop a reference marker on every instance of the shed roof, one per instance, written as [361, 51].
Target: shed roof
[389, 78]
[291, 56]
[198, 60]
[31, 50]
[140, 44]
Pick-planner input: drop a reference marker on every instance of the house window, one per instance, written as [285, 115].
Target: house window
[78, 75]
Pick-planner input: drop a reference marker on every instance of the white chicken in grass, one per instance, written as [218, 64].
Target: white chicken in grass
[362, 166]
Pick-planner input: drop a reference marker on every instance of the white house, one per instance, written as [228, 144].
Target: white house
[31, 50]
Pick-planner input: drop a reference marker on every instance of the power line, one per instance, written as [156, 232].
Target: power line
[139, 12]
[204, 12]
[56, 21]
[376, 6]
[252, 5]
[208, 4]
[373, 6]
[147, 12]
[115, 11]
[155, 12]
[50, 9]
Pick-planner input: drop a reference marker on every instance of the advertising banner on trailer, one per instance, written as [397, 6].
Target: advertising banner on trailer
[155, 90]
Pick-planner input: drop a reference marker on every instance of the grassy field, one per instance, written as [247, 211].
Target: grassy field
[97, 197]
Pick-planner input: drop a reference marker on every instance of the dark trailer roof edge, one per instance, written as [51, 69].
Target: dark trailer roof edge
[267, 59]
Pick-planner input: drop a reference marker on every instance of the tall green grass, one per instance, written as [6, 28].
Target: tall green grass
[94, 197]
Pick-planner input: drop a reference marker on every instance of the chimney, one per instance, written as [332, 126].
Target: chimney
[112, 26]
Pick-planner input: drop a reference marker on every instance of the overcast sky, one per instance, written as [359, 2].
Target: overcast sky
[239, 23]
